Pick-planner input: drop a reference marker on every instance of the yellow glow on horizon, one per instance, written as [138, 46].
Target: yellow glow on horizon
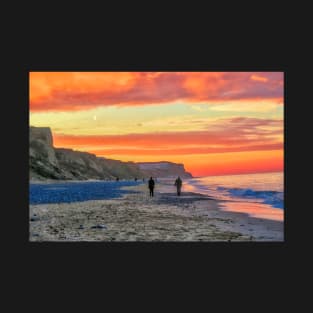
[214, 163]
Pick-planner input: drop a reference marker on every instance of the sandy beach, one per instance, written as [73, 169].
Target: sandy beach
[138, 217]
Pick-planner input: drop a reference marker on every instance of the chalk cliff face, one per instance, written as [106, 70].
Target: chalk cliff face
[83, 165]
[164, 169]
[42, 159]
[47, 162]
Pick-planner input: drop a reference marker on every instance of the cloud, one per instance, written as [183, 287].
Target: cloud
[221, 136]
[185, 150]
[259, 78]
[70, 91]
[261, 106]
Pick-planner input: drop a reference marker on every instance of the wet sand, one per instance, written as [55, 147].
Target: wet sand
[139, 217]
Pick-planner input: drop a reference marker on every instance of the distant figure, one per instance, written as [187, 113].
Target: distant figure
[143, 179]
[151, 186]
[135, 178]
[178, 184]
[117, 179]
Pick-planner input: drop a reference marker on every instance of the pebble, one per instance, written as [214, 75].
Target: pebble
[34, 218]
[81, 227]
[101, 226]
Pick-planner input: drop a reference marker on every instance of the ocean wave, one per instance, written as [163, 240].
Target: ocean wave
[273, 198]
[264, 188]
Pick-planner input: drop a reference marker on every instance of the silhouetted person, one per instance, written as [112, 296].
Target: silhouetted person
[151, 186]
[143, 179]
[178, 184]
[117, 179]
[135, 178]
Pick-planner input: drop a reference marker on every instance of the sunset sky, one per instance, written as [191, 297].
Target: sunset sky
[214, 123]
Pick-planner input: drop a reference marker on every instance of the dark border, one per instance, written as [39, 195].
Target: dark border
[229, 37]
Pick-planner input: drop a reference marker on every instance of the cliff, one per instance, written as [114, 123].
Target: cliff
[83, 165]
[42, 159]
[163, 169]
[47, 162]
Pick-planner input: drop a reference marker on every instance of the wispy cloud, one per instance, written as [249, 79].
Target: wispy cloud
[259, 78]
[224, 135]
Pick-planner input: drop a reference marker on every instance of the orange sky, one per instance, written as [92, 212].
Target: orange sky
[213, 122]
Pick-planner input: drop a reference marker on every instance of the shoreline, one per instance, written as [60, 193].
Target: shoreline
[137, 217]
[258, 226]
[59, 181]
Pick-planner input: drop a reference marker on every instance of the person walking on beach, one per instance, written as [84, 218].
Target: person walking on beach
[151, 186]
[178, 184]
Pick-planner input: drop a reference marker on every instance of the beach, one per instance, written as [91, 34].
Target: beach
[139, 217]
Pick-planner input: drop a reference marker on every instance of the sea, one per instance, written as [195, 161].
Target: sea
[66, 192]
[259, 195]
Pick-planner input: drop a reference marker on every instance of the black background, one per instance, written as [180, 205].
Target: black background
[238, 275]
